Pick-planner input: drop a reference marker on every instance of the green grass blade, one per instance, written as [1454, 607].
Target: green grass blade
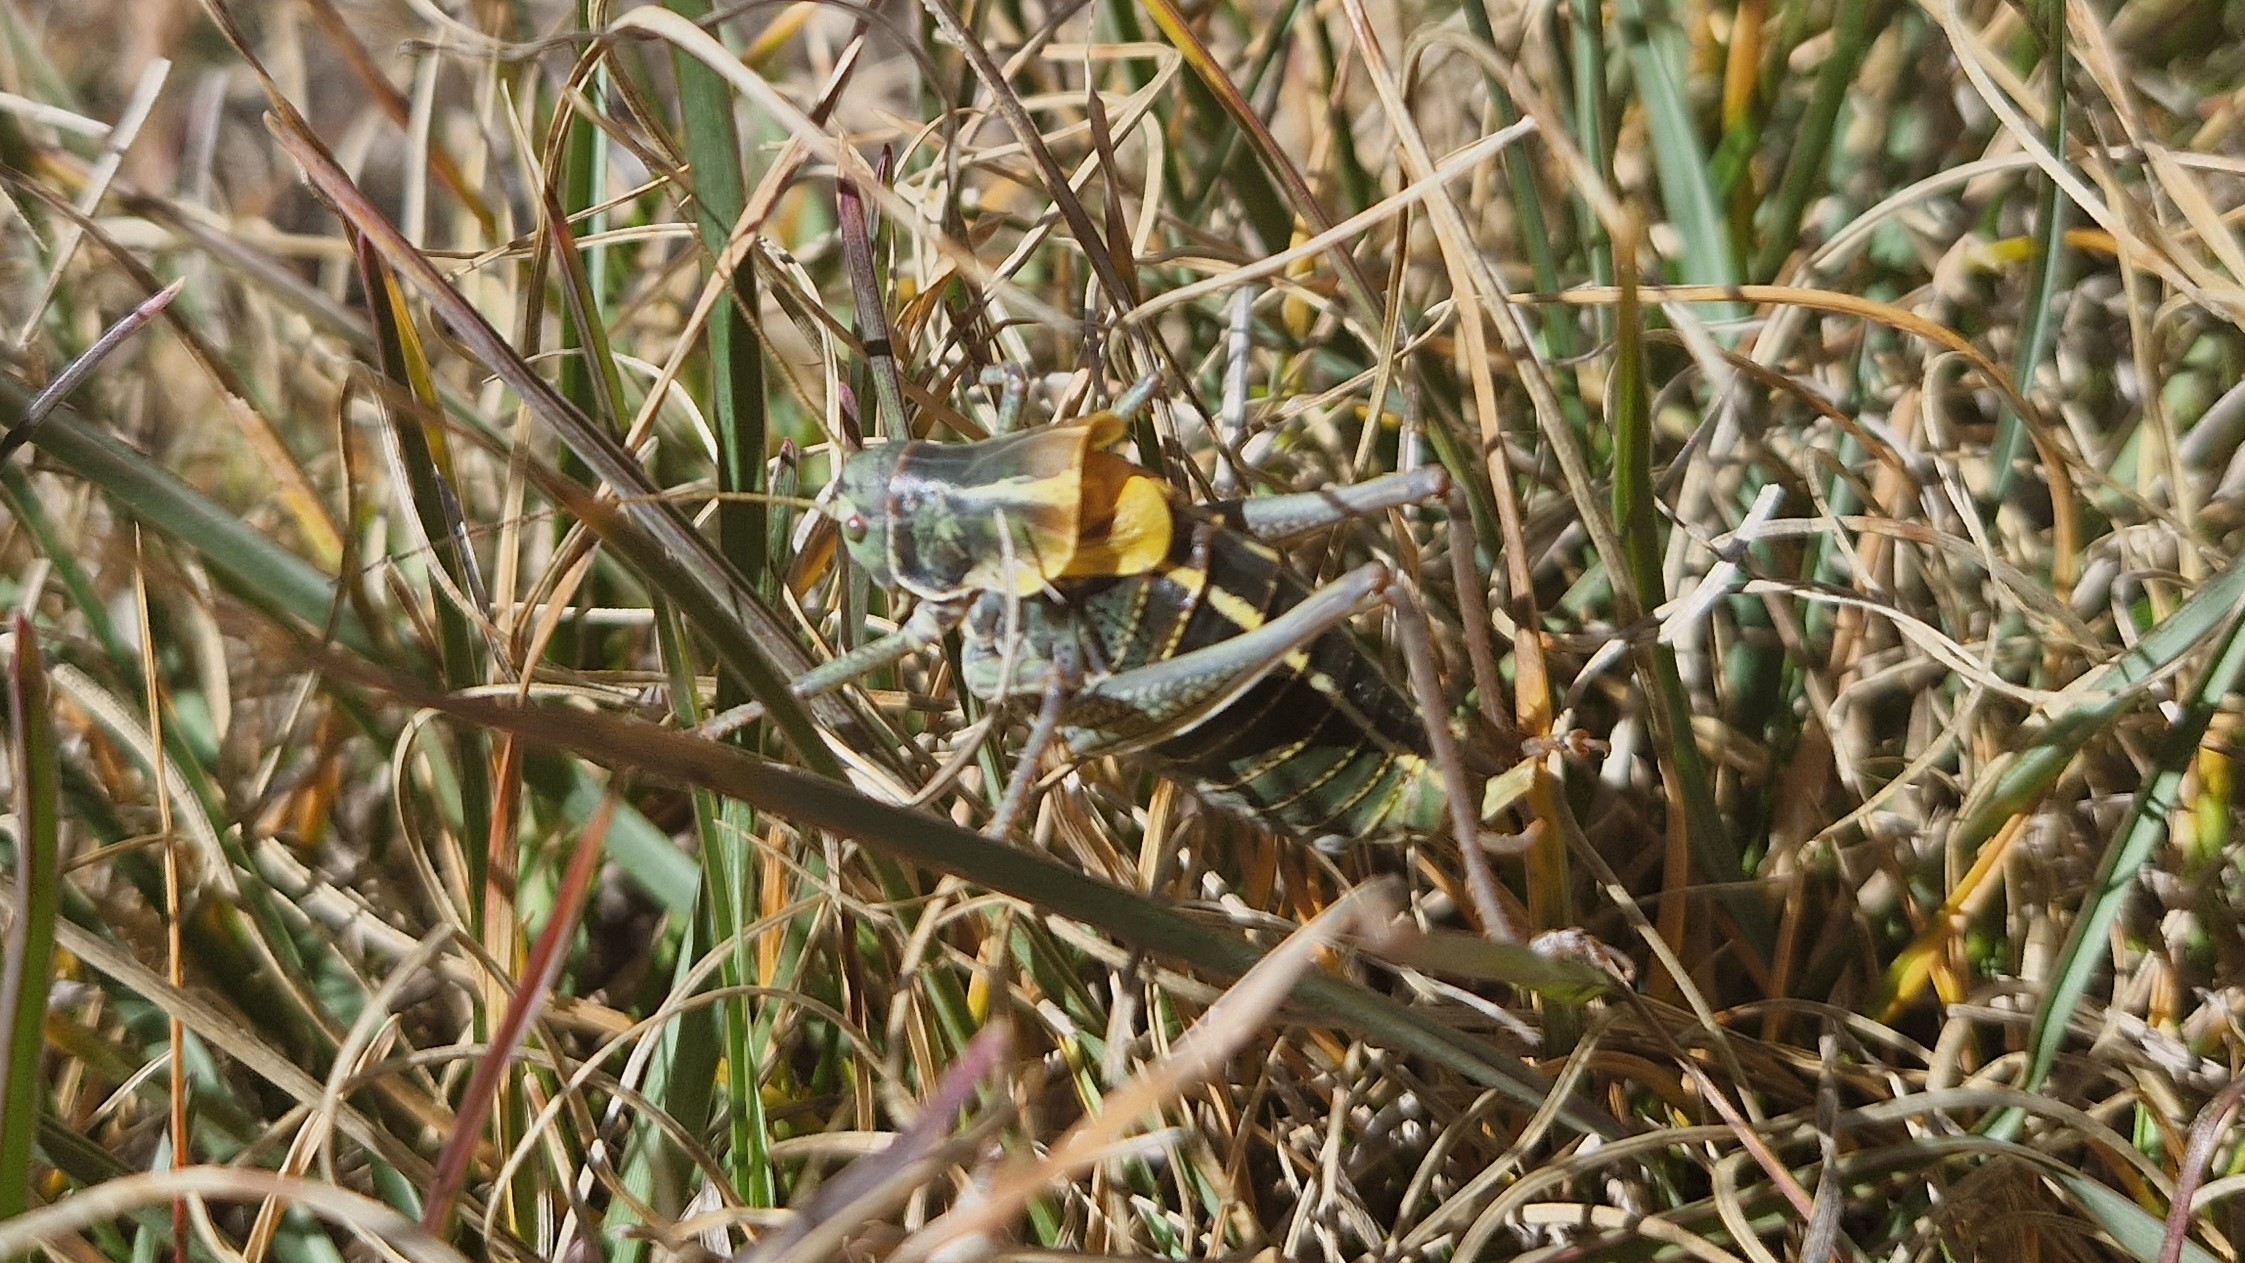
[2019, 782]
[2088, 946]
[2139, 1236]
[1669, 708]
[253, 566]
[26, 970]
[1855, 26]
[1593, 133]
[736, 354]
[728, 892]
[712, 143]
[1657, 56]
[415, 416]
[2038, 322]
[644, 527]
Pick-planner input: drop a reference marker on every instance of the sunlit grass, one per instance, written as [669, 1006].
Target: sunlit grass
[1845, 400]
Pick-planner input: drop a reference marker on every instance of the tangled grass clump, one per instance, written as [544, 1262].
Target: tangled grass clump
[417, 406]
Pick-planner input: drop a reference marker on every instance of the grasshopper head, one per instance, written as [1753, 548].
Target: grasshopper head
[861, 508]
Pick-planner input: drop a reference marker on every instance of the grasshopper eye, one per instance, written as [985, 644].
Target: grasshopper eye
[854, 528]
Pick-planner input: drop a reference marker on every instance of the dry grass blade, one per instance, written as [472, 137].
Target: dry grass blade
[2205, 1133]
[530, 996]
[70, 378]
[1223, 1030]
[369, 1220]
[670, 545]
[1860, 657]
[812, 801]
[872, 1185]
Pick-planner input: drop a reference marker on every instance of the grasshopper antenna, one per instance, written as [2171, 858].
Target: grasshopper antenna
[811, 504]
[1134, 400]
[1012, 384]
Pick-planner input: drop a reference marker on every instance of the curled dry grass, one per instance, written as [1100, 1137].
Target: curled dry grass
[1847, 397]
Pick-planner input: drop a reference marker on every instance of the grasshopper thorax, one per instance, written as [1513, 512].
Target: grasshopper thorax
[1008, 514]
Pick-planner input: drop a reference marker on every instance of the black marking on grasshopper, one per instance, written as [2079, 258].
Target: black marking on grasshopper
[1174, 634]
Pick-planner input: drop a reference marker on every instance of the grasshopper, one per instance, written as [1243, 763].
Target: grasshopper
[1149, 626]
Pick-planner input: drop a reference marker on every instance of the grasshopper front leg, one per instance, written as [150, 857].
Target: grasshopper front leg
[930, 622]
[1012, 384]
[1061, 680]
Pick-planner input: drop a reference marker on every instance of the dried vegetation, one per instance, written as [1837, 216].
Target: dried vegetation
[1848, 398]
